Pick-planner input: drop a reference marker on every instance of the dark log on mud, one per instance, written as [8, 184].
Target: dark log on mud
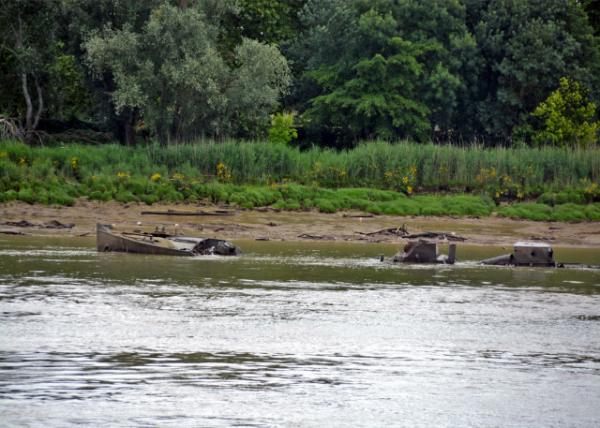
[450, 236]
[20, 223]
[393, 231]
[189, 213]
[542, 238]
[12, 232]
[52, 224]
[317, 237]
[358, 216]
[55, 224]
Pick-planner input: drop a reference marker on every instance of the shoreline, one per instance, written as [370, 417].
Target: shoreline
[274, 225]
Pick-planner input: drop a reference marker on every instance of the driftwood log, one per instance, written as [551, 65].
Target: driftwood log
[12, 232]
[317, 237]
[52, 224]
[402, 232]
[190, 213]
[450, 236]
[393, 231]
[358, 215]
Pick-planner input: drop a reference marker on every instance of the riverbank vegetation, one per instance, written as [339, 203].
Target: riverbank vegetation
[373, 105]
[376, 177]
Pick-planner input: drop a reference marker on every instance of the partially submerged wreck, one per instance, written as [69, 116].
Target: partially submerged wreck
[423, 251]
[160, 243]
[525, 254]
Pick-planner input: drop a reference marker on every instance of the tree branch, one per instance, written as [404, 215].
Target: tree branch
[40, 104]
[29, 114]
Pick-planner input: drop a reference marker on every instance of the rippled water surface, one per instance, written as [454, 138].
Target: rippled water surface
[293, 335]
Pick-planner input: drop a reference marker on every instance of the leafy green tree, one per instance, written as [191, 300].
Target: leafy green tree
[526, 47]
[268, 21]
[282, 130]
[171, 74]
[450, 64]
[27, 37]
[592, 8]
[568, 117]
[85, 18]
[365, 87]
[430, 97]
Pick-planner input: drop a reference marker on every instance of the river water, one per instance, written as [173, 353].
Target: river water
[293, 334]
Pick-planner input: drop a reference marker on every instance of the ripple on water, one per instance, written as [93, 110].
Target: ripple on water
[309, 340]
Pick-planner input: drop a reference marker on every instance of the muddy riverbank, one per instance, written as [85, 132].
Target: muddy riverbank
[285, 225]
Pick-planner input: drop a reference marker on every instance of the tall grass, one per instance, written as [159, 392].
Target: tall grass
[374, 164]
[437, 167]
[252, 174]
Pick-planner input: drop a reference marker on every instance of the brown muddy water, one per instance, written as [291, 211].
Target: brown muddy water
[293, 334]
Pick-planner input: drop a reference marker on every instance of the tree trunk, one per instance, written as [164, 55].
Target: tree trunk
[31, 120]
[29, 112]
[129, 133]
[38, 113]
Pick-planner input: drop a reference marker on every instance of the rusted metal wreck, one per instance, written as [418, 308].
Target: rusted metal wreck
[160, 243]
[525, 254]
[423, 251]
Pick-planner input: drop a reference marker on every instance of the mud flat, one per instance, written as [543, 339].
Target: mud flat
[272, 225]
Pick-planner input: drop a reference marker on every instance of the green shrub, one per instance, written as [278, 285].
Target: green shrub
[568, 212]
[26, 195]
[282, 130]
[528, 211]
[325, 206]
[124, 196]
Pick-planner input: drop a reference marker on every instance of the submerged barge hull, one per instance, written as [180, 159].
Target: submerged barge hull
[107, 241]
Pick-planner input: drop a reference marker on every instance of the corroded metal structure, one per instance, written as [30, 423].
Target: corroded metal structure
[160, 243]
[525, 254]
[423, 251]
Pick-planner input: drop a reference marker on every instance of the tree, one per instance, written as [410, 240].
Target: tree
[268, 21]
[567, 117]
[171, 74]
[27, 37]
[450, 63]
[365, 87]
[592, 8]
[526, 47]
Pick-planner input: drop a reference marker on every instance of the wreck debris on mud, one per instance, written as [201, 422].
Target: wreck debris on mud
[160, 243]
[423, 251]
[525, 254]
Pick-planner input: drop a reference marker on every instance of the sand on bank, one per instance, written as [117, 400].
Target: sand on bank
[267, 224]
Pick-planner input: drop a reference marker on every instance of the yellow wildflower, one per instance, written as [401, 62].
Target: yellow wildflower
[155, 177]
[223, 173]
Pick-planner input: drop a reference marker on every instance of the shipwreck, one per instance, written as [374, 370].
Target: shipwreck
[160, 243]
[423, 251]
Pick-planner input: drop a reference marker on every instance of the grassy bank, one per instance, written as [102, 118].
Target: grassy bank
[558, 184]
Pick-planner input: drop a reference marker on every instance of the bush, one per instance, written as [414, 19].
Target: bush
[26, 195]
[282, 130]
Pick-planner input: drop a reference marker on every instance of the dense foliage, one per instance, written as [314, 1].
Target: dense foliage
[350, 70]
[560, 187]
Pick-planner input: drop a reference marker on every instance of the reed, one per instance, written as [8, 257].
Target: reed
[376, 177]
